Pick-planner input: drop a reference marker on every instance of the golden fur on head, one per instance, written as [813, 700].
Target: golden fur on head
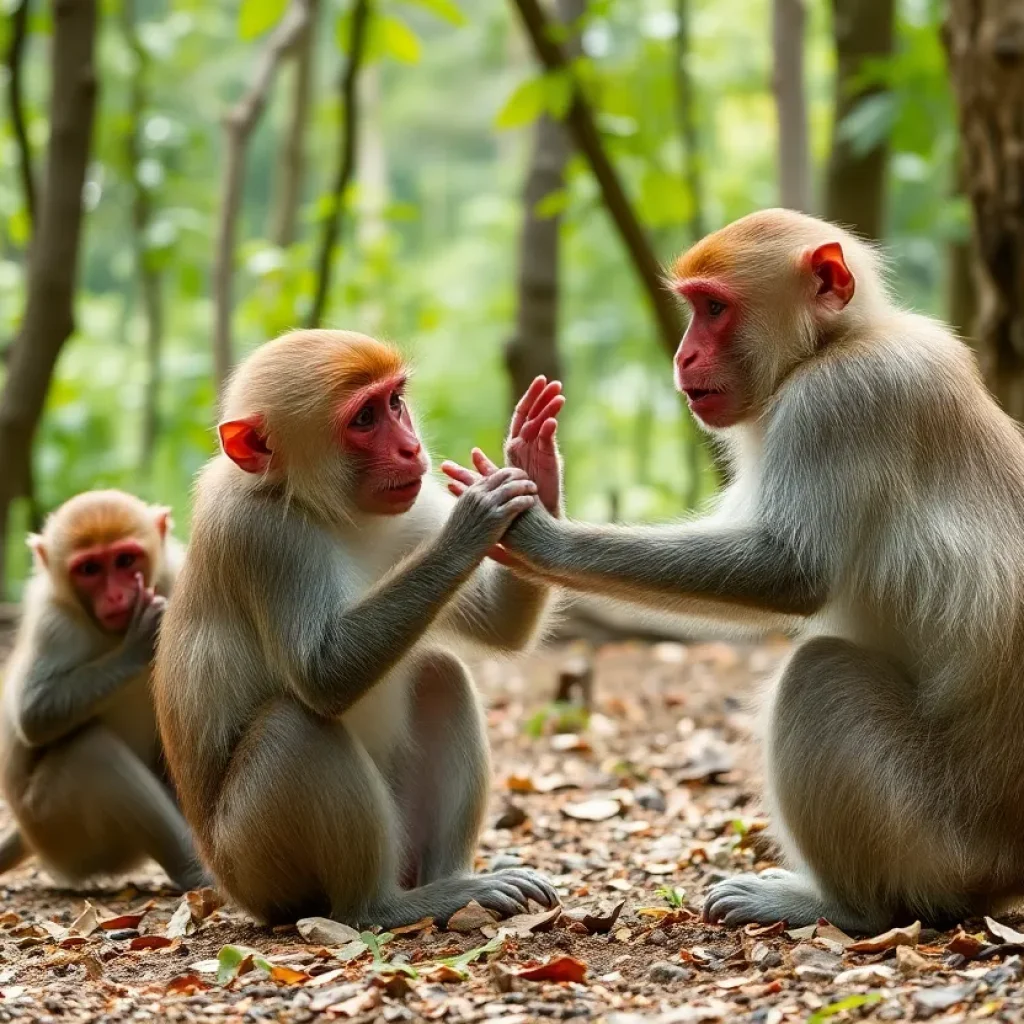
[296, 385]
[95, 518]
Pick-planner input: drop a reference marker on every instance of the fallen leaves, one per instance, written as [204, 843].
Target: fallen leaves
[908, 936]
[471, 918]
[324, 932]
[560, 968]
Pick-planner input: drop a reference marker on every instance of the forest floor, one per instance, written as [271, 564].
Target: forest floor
[632, 817]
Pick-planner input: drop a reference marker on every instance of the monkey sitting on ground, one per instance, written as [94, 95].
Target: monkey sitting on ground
[326, 743]
[78, 736]
[878, 508]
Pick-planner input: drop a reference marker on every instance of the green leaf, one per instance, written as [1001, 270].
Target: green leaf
[553, 204]
[527, 102]
[849, 1003]
[446, 10]
[463, 960]
[398, 40]
[256, 16]
[558, 89]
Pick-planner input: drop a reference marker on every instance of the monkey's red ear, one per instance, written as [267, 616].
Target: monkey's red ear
[835, 281]
[244, 443]
[38, 548]
[162, 520]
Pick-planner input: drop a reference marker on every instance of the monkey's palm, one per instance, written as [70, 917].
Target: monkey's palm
[532, 445]
[541, 463]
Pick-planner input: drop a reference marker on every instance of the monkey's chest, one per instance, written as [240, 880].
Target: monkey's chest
[132, 718]
[380, 719]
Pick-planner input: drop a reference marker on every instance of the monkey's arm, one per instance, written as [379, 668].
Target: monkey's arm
[58, 697]
[746, 566]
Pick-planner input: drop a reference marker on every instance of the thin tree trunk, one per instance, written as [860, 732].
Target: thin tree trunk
[148, 279]
[348, 139]
[788, 21]
[686, 111]
[291, 167]
[533, 347]
[580, 122]
[961, 286]
[16, 102]
[239, 124]
[985, 43]
[53, 257]
[855, 185]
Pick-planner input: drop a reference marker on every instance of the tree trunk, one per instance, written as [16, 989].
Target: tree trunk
[291, 166]
[53, 258]
[348, 143]
[239, 124]
[148, 279]
[961, 286]
[855, 185]
[788, 20]
[16, 102]
[985, 42]
[533, 347]
[686, 111]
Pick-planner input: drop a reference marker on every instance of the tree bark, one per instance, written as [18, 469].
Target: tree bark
[53, 256]
[788, 21]
[239, 124]
[855, 184]
[291, 167]
[348, 142]
[533, 346]
[148, 279]
[985, 44]
[16, 102]
[580, 122]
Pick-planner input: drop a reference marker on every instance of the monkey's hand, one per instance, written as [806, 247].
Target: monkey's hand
[140, 637]
[486, 506]
[532, 445]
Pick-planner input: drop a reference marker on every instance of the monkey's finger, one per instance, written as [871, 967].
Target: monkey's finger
[525, 403]
[493, 481]
[515, 489]
[551, 391]
[460, 473]
[532, 426]
[483, 464]
[533, 885]
[517, 506]
[457, 489]
[548, 429]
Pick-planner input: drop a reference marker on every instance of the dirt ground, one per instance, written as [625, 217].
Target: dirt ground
[632, 813]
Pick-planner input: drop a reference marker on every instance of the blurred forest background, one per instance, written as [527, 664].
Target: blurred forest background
[493, 185]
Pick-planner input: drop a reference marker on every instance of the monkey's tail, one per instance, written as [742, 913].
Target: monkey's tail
[12, 850]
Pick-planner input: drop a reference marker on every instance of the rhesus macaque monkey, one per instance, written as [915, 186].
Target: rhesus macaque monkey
[80, 752]
[326, 743]
[878, 503]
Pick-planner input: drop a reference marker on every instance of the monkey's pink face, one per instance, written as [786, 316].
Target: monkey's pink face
[106, 579]
[705, 364]
[378, 435]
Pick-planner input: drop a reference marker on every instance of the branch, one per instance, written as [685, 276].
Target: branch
[16, 101]
[686, 112]
[53, 255]
[580, 122]
[346, 159]
[788, 20]
[238, 126]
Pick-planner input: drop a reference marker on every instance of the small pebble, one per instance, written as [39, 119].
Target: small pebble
[121, 934]
[663, 972]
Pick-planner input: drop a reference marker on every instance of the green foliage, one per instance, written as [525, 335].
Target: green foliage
[848, 1003]
[256, 16]
[672, 895]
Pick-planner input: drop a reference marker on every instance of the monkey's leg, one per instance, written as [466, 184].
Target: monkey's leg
[12, 850]
[96, 808]
[857, 807]
[308, 824]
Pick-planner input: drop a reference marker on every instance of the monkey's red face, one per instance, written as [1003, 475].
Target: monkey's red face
[705, 363]
[106, 579]
[378, 435]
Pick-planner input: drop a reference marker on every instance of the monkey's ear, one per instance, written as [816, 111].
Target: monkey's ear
[38, 548]
[835, 280]
[162, 520]
[244, 443]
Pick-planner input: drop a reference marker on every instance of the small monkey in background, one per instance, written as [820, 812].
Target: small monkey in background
[326, 743]
[78, 737]
[877, 508]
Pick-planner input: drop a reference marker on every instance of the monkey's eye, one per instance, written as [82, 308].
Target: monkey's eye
[89, 568]
[715, 308]
[395, 401]
[125, 560]
[364, 418]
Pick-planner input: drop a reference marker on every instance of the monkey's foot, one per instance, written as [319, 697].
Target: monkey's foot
[773, 895]
[507, 892]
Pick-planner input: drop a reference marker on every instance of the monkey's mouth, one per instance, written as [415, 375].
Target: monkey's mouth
[699, 394]
[403, 490]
